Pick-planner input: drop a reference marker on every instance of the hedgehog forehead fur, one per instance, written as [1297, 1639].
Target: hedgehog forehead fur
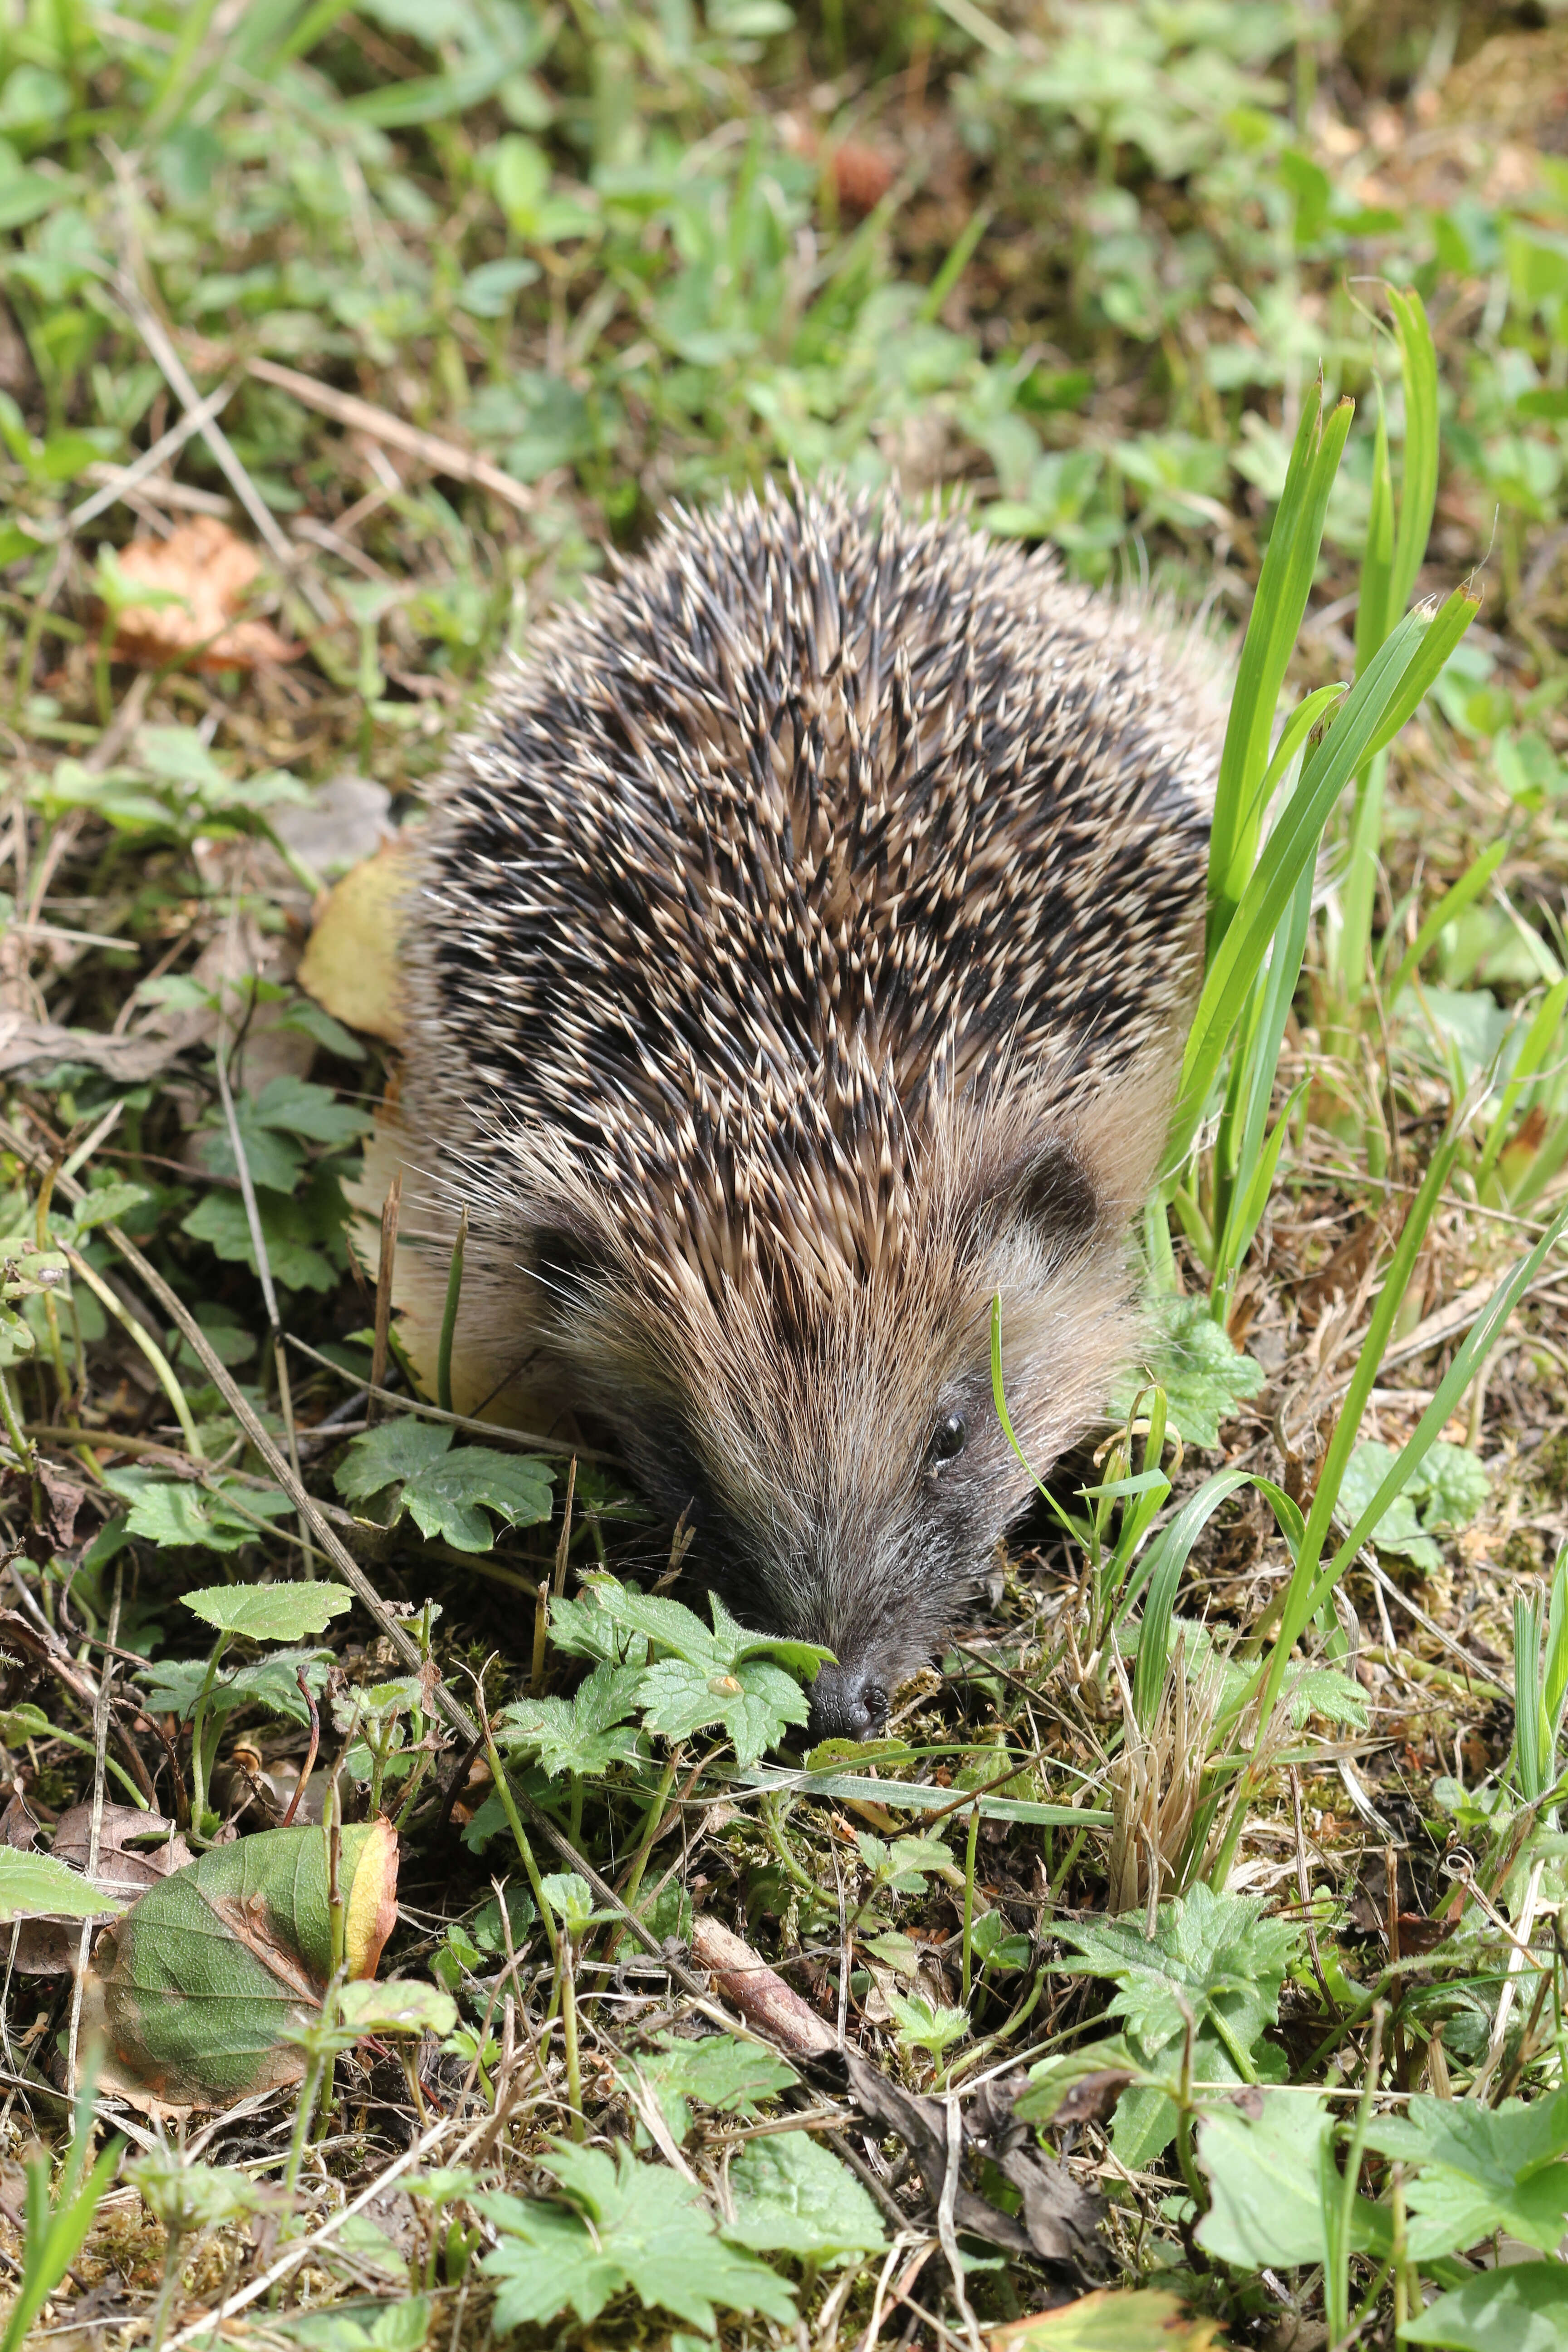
[799, 955]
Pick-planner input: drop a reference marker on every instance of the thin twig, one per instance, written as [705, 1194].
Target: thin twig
[380, 424]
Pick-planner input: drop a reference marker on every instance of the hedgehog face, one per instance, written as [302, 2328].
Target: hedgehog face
[839, 1452]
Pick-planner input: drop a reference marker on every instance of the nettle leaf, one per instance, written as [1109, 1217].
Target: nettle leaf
[1264, 2172]
[650, 2236]
[585, 1629]
[717, 2071]
[1482, 2168]
[584, 1733]
[446, 1488]
[1203, 1373]
[792, 2196]
[173, 1511]
[1517, 2308]
[270, 1612]
[674, 1627]
[1210, 1954]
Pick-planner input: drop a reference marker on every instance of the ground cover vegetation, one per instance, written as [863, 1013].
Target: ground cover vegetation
[422, 1921]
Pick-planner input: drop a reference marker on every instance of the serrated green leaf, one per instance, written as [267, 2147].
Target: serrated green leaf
[449, 1498]
[1482, 2169]
[754, 1700]
[388, 1454]
[716, 2071]
[1204, 1375]
[1452, 1484]
[792, 2197]
[270, 1612]
[925, 2024]
[1212, 1955]
[304, 1235]
[35, 1886]
[584, 1734]
[173, 1684]
[1399, 1529]
[446, 1488]
[172, 1511]
[651, 2236]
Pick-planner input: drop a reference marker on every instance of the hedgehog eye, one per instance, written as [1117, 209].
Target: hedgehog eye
[948, 1440]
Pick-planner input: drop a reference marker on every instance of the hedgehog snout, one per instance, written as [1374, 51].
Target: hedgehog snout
[848, 1703]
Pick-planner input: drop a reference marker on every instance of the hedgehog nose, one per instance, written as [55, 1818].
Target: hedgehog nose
[848, 1703]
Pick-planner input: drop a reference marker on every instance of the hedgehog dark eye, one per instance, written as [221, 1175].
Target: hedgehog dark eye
[948, 1440]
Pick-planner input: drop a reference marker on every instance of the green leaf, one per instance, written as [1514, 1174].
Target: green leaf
[584, 1734]
[298, 1108]
[443, 1485]
[650, 2236]
[220, 1516]
[1113, 2319]
[924, 2024]
[716, 2071]
[303, 1234]
[1453, 1486]
[570, 1899]
[107, 1205]
[173, 1684]
[1264, 2172]
[185, 2196]
[270, 1612]
[402, 2005]
[35, 1886]
[792, 2196]
[1211, 1955]
[213, 1965]
[753, 1701]
[1482, 2168]
[392, 1451]
[1204, 1375]
[1517, 2308]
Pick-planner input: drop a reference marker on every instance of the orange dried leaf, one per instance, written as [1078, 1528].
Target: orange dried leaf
[209, 574]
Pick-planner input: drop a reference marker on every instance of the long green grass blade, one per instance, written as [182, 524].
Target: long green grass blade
[1374, 613]
[1285, 585]
[1377, 706]
[1448, 909]
[1419, 485]
[1540, 1039]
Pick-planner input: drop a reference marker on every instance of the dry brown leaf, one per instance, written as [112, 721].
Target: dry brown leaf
[350, 963]
[212, 573]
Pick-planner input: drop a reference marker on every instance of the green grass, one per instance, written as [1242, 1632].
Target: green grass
[1219, 299]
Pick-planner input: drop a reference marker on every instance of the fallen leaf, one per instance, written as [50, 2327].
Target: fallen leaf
[210, 573]
[1060, 2217]
[350, 964]
[194, 1988]
[1145, 2319]
[25, 1044]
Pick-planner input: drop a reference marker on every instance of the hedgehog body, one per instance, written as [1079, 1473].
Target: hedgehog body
[798, 958]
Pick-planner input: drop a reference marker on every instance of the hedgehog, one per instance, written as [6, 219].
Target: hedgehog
[797, 961]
